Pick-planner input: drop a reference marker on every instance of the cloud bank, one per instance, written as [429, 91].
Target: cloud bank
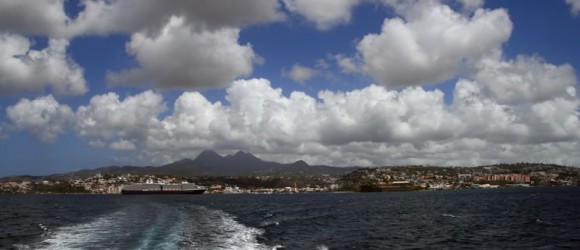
[366, 126]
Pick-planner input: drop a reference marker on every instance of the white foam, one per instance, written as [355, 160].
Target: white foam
[169, 233]
[80, 235]
[223, 231]
[321, 247]
[269, 224]
[197, 228]
[21, 246]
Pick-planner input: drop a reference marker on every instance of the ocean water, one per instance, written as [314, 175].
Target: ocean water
[521, 218]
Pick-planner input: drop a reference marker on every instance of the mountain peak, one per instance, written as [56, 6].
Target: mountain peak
[300, 163]
[208, 156]
[207, 153]
[242, 154]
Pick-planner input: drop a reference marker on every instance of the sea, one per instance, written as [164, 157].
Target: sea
[511, 218]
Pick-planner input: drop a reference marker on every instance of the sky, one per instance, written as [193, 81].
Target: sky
[87, 84]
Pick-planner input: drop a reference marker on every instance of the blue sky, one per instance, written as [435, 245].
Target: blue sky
[351, 82]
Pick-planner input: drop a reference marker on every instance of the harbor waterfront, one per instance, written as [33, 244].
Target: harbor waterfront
[523, 218]
[369, 179]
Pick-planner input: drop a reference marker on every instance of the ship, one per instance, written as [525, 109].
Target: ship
[158, 188]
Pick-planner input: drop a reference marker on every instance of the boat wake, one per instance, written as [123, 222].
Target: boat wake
[155, 226]
[223, 230]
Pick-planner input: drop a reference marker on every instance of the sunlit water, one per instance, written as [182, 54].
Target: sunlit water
[525, 218]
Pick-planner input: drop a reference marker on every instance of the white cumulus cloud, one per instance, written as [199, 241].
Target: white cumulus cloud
[471, 5]
[378, 115]
[347, 64]
[546, 121]
[23, 69]
[325, 14]
[575, 6]
[485, 119]
[33, 17]
[106, 117]
[556, 119]
[525, 79]
[122, 145]
[44, 118]
[430, 43]
[182, 57]
[300, 73]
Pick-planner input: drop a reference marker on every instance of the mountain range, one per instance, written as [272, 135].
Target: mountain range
[210, 163]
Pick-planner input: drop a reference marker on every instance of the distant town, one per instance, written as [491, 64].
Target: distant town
[367, 179]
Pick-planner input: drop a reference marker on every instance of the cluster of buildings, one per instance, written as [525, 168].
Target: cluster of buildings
[229, 189]
[443, 178]
[515, 178]
[98, 184]
[14, 187]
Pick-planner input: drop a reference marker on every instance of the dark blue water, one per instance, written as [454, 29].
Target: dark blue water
[527, 218]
